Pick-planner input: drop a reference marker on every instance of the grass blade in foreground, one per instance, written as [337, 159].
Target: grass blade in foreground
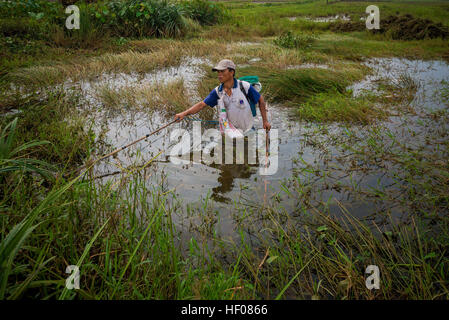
[83, 256]
[134, 252]
[293, 279]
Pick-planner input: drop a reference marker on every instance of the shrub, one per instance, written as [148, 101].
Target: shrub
[30, 18]
[289, 40]
[140, 18]
[36, 9]
[20, 27]
[203, 11]
[42, 19]
[89, 35]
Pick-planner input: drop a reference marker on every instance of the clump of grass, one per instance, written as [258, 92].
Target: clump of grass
[51, 117]
[171, 96]
[20, 27]
[112, 98]
[290, 40]
[445, 90]
[203, 11]
[342, 107]
[400, 92]
[89, 35]
[296, 86]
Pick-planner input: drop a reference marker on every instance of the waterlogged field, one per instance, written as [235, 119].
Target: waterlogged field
[360, 170]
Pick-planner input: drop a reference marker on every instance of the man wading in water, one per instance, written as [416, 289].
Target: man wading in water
[237, 106]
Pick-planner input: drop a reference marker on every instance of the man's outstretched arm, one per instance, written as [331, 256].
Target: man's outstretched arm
[192, 110]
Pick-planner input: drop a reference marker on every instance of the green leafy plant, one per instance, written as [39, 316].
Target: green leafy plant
[36, 16]
[15, 239]
[36, 9]
[203, 11]
[290, 40]
[140, 18]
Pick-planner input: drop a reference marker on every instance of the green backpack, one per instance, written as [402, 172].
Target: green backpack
[254, 81]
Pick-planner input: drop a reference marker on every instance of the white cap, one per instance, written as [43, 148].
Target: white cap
[224, 64]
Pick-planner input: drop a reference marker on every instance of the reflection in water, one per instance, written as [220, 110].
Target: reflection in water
[230, 172]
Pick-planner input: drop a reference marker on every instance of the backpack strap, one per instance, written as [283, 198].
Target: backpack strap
[220, 103]
[245, 93]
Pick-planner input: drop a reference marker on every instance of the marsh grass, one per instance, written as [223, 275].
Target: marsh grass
[138, 245]
[392, 97]
[141, 253]
[288, 40]
[294, 86]
[342, 107]
[124, 62]
[326, 254]
[344, 247]
[52, 116]
[125, 233]
[417, 169]
[399, 93]
[143, 56]
[121, 98]
[297, 85]
[170, 97]
[138, 256]
[357, 45]
[445, 90]
[11, 156]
